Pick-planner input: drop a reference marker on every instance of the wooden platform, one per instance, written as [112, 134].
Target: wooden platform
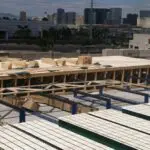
[116, 68]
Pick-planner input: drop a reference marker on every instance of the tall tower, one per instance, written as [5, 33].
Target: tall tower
[91, 21]
[23, 16]
[60, 16]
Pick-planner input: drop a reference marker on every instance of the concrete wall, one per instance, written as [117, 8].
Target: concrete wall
[126, 52]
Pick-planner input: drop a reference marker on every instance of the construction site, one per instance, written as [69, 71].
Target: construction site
[75, 103]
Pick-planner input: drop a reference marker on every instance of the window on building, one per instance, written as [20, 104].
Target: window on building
[131, 46]
[136, 47]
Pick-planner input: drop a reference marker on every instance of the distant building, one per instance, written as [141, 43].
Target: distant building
[144, 19]
[79, 20]
[140, 41]
[144, 13]
[11, 26]
[8, 16]
[23, 16]
[99, 15]
[54, 19]
[60, 16]
[49, 17]
[114, 16]
[131, 19]
[70, 18]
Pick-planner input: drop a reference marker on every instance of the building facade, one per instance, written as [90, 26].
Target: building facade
[144, 19]
[144, 13]
[131, 19]
[60, 16]
[140, 41]
[70, 18]
[79, 20]
[114, 16]
[99, 15]
[23, 16]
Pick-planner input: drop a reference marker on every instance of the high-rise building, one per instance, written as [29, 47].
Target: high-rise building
[131, 19]
[70, 18]
[54, 18]
[114, 16]
[99, 15]
[60, 16]
[23, 16]
[144, 19]
[144, 13]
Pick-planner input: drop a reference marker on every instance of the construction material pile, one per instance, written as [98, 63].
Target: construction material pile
[8, 64]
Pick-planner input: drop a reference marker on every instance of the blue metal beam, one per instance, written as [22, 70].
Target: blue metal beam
[121, 99]
[146, 96]
[100, 98]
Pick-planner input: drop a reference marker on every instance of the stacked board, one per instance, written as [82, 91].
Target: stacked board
[116, 133]
[141, 110]
[43, 135]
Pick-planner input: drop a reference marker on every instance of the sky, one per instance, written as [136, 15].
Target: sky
[38, 7]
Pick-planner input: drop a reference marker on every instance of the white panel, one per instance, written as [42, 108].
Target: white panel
[110, 130]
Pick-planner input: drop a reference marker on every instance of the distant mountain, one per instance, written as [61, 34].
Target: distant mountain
[11, 16]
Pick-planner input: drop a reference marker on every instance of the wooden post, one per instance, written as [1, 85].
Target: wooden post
[29, 85]
[131, 76]
[122, 78]
[53, 82]
[95, 77]
[85, 79]
[42, 79]
[64, 91]
[15, 82]
[139, 77]
[114, 77]
[105, 75]
[2, 87]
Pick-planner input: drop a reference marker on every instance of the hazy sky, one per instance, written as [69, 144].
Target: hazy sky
[38, 7]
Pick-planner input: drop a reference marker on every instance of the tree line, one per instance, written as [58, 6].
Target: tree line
[48, 38]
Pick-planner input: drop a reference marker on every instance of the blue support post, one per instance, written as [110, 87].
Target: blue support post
[108, 104]
[146, 98]
[22, 116]
[75, 93]
[101, 90]
[146, 80]
[74, 108]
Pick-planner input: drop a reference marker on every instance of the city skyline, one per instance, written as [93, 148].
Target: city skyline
[38, 7]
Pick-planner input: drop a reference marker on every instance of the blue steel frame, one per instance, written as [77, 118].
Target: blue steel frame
[146, 96]
[100, 98]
